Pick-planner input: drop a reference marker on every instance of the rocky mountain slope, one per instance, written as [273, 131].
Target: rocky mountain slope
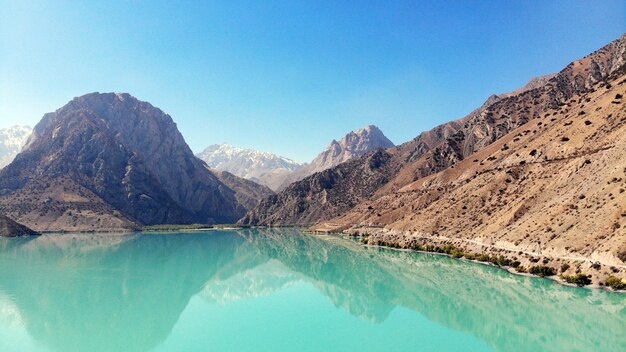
[550, 185]
[248, 193]
[353, 145]
[12, 140]
[324, 195]
[111, 162]
[261, 167]
[446, 145]
[9, 228]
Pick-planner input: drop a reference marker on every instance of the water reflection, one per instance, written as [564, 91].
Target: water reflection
[104, 293]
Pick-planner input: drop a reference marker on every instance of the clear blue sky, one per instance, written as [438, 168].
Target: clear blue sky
[289, 76]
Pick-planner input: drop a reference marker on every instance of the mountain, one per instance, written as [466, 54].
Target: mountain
[248, 193]
[111, 162]
[9, 228]
[261, 167]
[353, 145]
[434, 151]
[11, 142]
[306, 202]
[548, 183]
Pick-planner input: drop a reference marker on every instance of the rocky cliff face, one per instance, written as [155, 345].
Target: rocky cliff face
[108, 162]
[9, 228]
[353, 145]
[446, 145]
[12, 140]
[261, 167]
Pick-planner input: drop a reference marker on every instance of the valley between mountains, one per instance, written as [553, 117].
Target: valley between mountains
[537, 174]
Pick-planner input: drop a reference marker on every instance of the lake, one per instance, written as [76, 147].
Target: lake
[282, 290]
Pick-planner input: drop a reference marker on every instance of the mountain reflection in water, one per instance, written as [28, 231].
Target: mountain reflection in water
[109, 292]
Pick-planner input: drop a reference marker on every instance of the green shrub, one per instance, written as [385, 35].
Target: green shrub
[483, 257]
[520, 269]
[542, 270]
[456, 253]
[579, 280]
[615, 283]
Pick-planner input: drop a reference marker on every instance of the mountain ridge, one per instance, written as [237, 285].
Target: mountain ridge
[108, 161]
[354, 144]
[261, 167]
[549, 188]
[445, 145]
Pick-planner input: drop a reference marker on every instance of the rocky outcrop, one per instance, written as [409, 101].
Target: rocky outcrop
[111, 162]
[261, 167]
[9, 228]
[353, 145]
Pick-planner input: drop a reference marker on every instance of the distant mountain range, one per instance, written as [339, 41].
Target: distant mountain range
[261, 167]
[277, 172]
[12, 140]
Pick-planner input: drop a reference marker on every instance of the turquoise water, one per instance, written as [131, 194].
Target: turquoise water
[281, 290]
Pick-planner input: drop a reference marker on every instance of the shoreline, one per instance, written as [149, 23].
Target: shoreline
[512, 270]
[364, 241]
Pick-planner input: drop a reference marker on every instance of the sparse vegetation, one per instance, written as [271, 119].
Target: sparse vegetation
[579, 280]
[542, 271]
[155, 228]
[615, 283]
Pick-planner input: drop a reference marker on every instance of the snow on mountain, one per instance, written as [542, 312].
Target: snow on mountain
[260, 167]
[12, 140]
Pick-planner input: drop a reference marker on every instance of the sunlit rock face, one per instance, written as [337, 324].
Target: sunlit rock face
[109, 161]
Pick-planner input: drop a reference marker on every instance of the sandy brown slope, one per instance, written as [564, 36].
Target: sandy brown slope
[555, 187]
[447, 144]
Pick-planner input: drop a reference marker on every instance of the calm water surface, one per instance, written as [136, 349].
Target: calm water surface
[281, 290]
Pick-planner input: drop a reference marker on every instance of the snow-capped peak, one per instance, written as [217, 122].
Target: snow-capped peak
[12, 140]
[247, 163]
